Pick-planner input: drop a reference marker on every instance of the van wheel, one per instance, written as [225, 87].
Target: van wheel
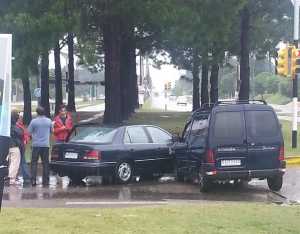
[124, 172]
[204, 183]
[275, 183]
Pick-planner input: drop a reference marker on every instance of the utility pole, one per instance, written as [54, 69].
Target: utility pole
[295, 80]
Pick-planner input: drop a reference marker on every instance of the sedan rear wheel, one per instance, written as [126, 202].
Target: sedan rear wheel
[124, 172]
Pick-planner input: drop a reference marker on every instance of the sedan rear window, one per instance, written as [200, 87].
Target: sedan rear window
[93, 135]
[261, 124]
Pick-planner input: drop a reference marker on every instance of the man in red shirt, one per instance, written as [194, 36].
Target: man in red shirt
[63, 125]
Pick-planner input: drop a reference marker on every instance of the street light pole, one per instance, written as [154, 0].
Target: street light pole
[295, 79]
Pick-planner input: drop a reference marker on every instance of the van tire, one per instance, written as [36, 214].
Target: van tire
[204, 183]
[275, 183]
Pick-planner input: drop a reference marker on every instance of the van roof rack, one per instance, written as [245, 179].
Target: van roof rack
[206, 108]
[231, 102]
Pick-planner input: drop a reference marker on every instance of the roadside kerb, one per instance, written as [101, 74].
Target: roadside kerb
[294, 160]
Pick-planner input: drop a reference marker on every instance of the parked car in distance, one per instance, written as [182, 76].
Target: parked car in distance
[113, 151]
[232, 141]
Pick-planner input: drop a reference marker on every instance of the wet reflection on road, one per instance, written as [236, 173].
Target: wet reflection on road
[61, 192]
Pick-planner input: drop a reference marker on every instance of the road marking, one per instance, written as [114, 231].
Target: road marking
[118, 203]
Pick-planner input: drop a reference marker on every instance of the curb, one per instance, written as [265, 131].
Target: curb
[295, 160]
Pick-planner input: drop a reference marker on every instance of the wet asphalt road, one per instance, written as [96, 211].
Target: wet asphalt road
[157, 192]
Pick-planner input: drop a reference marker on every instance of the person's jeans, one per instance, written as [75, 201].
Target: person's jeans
[24, 169]
[44, 153]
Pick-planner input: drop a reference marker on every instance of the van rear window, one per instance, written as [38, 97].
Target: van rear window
[261, 124]
[229, 125]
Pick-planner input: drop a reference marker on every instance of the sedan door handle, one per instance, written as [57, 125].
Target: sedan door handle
[131, 150]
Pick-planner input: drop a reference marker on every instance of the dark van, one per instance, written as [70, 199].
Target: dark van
[232, 141]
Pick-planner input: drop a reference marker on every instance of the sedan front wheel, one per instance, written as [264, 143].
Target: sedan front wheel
[124, 172]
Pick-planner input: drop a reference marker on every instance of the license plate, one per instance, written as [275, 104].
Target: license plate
[71, 155]
[230, 163]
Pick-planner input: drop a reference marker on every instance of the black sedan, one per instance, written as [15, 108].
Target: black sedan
[119, 152]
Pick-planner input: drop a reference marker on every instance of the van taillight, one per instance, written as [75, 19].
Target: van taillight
[281, 153]
[210, 156]
[54, 154]
[93, 155]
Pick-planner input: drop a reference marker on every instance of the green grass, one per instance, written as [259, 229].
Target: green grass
[275, 99]
[172, 121]
[206, 218]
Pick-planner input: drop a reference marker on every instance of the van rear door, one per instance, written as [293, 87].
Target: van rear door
[228, 140]
[264, 139]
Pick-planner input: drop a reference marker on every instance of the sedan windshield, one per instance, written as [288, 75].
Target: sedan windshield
[93, 135]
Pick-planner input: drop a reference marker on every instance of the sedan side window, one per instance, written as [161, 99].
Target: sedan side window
[127, 138]
[136, 135]
[158, 135]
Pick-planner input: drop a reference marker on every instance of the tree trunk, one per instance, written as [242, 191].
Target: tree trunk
[125, 74]
[26, 97]
[45, 82]
[112, 51]
[134, 102]
[244, 66]
[58, 78]
[196, 80]
[204, 81]
[71, 85]
[214, 91]
[128, 72]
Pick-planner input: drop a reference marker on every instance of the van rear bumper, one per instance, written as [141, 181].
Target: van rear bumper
[244, 173]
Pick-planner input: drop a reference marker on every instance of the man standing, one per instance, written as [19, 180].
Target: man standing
[40, 129]
[63, 125]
